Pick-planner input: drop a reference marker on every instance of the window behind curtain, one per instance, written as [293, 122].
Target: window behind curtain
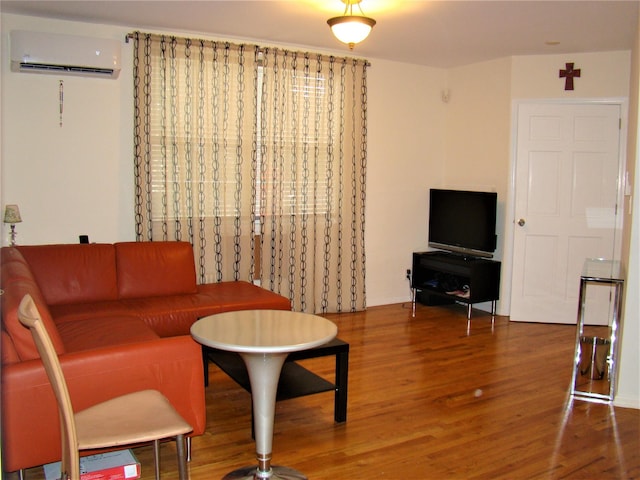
[257, 157]
[313, 120]
[195, 163]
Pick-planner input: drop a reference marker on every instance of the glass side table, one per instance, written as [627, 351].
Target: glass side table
[594, 365]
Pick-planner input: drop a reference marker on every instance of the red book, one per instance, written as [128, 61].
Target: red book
[119, 465]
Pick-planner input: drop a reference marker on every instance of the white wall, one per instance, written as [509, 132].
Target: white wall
[603, 74]
[406, 158]
[628, 392]
[71, 179]
[478, 125]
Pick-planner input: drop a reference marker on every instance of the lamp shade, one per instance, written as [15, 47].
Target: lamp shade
[12, 214]
[351, 29]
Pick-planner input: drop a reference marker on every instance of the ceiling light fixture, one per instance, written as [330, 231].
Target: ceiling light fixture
[350, 28]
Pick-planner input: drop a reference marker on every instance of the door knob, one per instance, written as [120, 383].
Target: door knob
[521, 222]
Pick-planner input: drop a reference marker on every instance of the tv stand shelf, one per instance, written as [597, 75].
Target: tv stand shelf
[442, 278]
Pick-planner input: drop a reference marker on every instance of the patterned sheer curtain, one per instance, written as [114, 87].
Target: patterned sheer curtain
[194, 106]
[257, 157]
[313, 165]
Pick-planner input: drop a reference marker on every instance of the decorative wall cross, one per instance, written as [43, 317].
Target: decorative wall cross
[568, 74]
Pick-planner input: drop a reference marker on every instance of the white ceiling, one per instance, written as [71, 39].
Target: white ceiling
[434, 33]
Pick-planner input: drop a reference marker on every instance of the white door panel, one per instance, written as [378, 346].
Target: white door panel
[566, 190]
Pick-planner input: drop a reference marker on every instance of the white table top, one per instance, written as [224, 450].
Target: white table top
[263, 331]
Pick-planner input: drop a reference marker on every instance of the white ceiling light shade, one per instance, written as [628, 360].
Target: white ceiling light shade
[350, 28]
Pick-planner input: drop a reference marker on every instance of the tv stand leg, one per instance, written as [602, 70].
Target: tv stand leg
[468, 311]
[413, 302]
[493, 314]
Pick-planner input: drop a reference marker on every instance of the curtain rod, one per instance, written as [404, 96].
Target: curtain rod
[130, 36]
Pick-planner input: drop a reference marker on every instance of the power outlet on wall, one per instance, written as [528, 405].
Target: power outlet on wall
[408, 274]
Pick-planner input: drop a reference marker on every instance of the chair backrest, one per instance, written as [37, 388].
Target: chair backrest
[30, 317]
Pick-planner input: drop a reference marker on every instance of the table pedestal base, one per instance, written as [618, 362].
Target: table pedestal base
[277, 473]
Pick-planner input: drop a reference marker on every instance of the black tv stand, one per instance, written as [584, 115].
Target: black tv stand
[443, 278]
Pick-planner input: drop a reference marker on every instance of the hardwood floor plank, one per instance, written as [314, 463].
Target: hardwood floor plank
[429, 397]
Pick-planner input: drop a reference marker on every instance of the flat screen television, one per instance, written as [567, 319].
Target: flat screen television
[463, 222]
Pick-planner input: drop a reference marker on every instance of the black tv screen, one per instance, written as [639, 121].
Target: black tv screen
[463, 221]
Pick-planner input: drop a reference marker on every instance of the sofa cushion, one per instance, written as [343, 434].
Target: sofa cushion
[73, 273]
[9, 353]
[154, 269]
[171, 315]
[17, 281]
[81, 311]
[106, 331]
[242, 295]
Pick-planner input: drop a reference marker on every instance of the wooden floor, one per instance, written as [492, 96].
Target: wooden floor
[430, 397]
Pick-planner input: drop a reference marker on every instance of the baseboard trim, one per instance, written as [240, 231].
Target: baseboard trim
[626, 402]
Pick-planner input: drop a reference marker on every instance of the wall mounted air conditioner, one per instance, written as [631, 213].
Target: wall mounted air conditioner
[39, 52]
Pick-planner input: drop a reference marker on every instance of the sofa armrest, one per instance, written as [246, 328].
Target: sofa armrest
[29, 413]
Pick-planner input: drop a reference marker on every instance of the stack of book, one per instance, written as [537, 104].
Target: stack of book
[119, 465]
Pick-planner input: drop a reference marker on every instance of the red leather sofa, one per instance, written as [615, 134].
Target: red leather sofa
[119, 316]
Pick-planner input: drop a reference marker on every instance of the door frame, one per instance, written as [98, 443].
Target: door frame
[509, 218]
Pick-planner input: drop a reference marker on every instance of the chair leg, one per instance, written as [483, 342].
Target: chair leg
[188, 449]
[21, 474]
[182, 463]
[156, 457]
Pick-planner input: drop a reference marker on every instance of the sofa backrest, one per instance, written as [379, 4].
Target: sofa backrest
[17, 280]
[73, 273]
[83, 273]
[154, 269]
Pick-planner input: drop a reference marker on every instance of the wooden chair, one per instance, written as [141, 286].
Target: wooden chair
[137, 417]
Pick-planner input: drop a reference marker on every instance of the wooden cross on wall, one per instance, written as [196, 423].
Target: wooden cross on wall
[568, 74]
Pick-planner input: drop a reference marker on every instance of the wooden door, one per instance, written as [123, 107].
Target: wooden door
[566, 194]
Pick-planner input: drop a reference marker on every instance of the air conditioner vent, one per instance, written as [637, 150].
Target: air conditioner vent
[67, 69]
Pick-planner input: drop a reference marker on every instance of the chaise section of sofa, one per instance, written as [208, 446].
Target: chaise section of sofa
[119, 316]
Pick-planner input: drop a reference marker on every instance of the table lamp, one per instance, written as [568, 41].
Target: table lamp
[12, 216]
